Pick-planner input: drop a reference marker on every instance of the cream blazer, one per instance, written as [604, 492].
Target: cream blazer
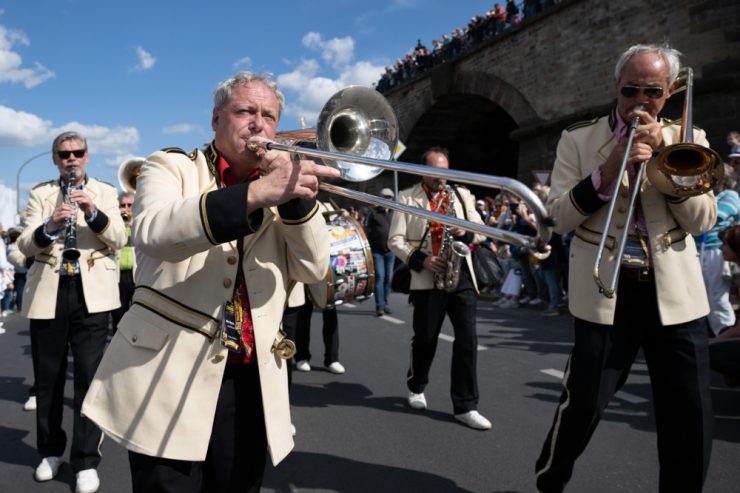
[670, 223]
[156, 389]
[406, 231]
[98, 259]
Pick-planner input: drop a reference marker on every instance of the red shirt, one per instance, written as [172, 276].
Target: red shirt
[247, 356]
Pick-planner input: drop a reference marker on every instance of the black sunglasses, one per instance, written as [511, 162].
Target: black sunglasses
[631, 91]
[78, 153]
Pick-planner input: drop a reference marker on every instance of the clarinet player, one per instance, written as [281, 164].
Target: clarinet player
[73, 231]
[418, 243]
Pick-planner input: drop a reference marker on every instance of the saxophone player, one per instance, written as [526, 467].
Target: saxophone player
[68, 299]
[418, 242]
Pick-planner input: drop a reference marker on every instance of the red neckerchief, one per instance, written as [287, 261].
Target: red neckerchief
[438, 202]
[248, 355]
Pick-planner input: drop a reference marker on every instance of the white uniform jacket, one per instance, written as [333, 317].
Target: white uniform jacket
[156, 389]
[98, 243]
[406, 232]
[575, 205]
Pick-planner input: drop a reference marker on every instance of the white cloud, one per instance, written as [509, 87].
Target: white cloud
[337, 52]
[117, 141]
[180, 128]
[243, 63]
[11, 69]
[146, 60]
[313, 88]
[21, 129]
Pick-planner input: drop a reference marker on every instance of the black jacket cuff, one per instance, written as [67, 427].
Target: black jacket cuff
[585, 198]
[100, 223]
[41, 240]
[416, 260]
[223, 214]
[297, 211]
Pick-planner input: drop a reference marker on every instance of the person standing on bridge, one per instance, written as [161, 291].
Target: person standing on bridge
[660, 305]
[418, 242]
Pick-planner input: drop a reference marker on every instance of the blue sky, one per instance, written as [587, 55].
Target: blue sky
[136, 76]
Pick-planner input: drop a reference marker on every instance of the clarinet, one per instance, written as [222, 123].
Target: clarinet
[70, 251]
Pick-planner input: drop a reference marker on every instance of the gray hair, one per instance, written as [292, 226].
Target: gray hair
[123, 195]
[223, 92]
[64, 137]
[670, 56]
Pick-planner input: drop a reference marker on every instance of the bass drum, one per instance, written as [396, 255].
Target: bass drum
[351, 274]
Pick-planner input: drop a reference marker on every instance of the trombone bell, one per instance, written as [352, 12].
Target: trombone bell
[128, 171]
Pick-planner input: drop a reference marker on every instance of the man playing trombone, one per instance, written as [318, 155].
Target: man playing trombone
[660, 304]
[70, 291]
[418, 243]
[194, 382]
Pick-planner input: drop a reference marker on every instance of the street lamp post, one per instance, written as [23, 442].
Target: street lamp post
[18, 183]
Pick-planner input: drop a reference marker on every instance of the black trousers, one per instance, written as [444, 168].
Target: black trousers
[430, 307]
[724, 356]
[330, 333]
[237, 451]
[126, 289]
[677, 358]
[85, 333]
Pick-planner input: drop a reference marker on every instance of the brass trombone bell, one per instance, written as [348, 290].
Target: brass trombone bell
[128, 171]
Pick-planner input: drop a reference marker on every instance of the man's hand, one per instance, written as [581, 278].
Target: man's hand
[285, 179]
[436, 264]
[59, 217]
[84, 202]
[647, 139]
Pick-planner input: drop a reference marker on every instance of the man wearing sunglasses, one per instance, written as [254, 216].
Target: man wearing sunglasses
[68, 301]
[660, 304]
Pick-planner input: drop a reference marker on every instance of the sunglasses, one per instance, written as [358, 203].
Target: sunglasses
[78, 153]
[632, 91]
[126, 205]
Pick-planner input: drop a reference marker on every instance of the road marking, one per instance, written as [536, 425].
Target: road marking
[392, 320]
[447, 338]
[625, 396]
[349, 305]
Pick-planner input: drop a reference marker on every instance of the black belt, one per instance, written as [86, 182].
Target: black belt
[643, 274]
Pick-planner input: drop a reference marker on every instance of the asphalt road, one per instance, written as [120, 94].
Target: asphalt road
[356, 434]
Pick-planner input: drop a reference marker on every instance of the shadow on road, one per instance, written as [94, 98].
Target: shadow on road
[322, 472]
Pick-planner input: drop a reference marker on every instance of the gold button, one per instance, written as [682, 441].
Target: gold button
[227, 283]
[620, 226]
[231, 260]
[134, 338]
[624, 194]
[622, 210]
[218, 357]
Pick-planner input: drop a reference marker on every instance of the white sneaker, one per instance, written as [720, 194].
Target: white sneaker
[417, 401]
[87, 481]
[524, 300]
[535, 301]
[474, 420]
[48, 468]
[336, 368]
[30, 404]
[2, 331]
[303, 365]
[510, 304]
[292, 429]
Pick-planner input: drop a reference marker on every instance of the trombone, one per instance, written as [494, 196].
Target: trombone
[356, 133]
[683, 169]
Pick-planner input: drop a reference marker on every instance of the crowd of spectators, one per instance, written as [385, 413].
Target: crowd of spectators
[480, 28]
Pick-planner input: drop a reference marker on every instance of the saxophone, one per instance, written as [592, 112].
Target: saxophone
[452, 251]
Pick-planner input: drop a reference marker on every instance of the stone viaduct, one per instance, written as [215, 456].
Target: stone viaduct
[501, 107]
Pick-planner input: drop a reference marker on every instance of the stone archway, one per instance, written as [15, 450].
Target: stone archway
[473, 115]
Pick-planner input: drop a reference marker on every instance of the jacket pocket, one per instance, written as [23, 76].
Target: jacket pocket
[142, 334]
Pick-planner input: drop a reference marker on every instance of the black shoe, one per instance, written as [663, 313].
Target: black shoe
[379, 313]
[387, 310]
